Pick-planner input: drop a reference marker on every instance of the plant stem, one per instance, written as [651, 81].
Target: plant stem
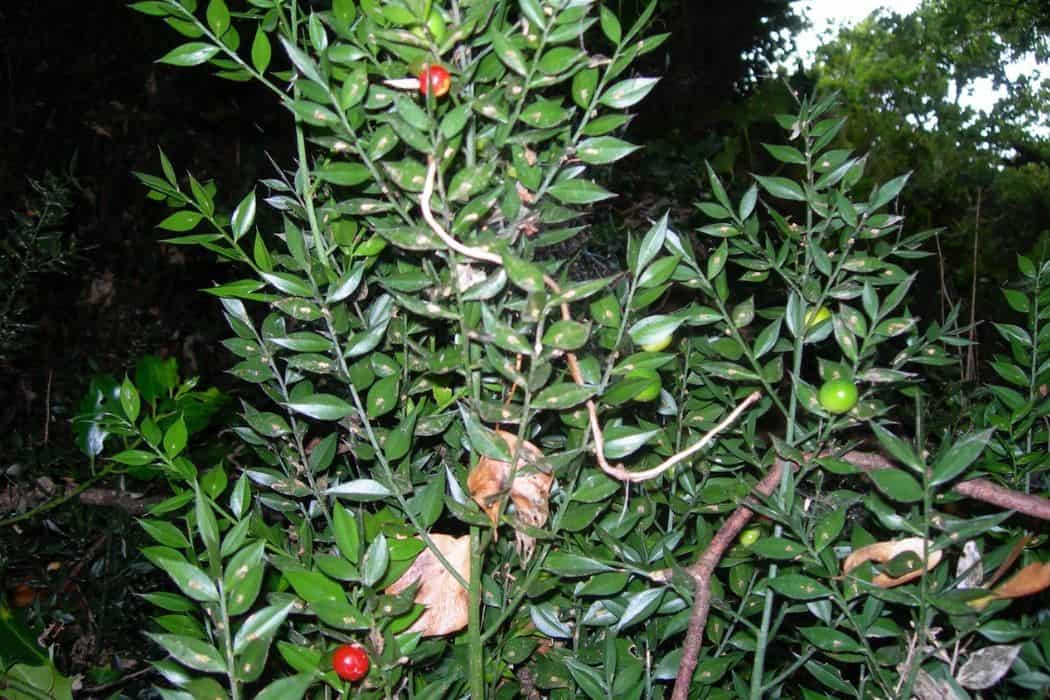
[227, 633]
[474, 639]
[43, 508]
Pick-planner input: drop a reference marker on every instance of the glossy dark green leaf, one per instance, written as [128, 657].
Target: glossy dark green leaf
[959, 456]
[897, 484]
[579, 192]
[194, 653]
[191, 54]
[629, 92]
[322, 407]
[799, 587]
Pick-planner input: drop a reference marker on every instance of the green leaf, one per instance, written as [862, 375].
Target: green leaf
[288, 283]
[191, 652]
[610, 25]
[346, 174]
[165, 533]
[830, 640]
[829, 528]
[509, 54]
[897, 484]
[546, 620]
[652, 329]
[778, 548]
[573, 565]
[484, 441]
[261, 50]
[322, 407]
[785, 154]
[375, 562]
[799, 587]
[621, 441]
[898, 448]
[579, 192]
[781, 188]
[559, 59]
[243, 216]
[175, 438]
[185, 220]
[651, 244]
[562, 395]
[959, 456]
[192, 54]
[566, 335]
[347, 536]
[589, 680]
[129, 400]
[303, 63]
[603, 150]
[584, 83]
[134, 458]
[261, 625]
[290, 688]
[360, 490]
[628, 92]
[640, 606]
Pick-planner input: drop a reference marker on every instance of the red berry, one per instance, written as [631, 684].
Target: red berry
[435, 80]
[350, 662]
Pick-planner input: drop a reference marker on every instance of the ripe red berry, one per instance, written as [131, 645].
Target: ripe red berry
[350, 662]
[435, 80]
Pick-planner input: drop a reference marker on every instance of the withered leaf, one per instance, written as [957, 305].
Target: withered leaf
[529, 493]
[445, 600]
[882, 552]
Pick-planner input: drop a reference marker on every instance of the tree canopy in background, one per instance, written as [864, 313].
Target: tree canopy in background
[905, 80]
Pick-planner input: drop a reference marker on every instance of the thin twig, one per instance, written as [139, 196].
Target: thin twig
[47, 407]
[970, 371]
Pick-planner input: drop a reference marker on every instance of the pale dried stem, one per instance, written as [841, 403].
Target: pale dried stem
[428, 215]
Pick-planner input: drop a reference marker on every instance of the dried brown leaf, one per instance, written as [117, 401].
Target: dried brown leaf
[1030, 580]
[445, 600]
[882, 552]
[529, 493]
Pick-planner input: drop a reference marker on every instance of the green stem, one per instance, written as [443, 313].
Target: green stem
[474, 638]
[43, 508]
[227, 633]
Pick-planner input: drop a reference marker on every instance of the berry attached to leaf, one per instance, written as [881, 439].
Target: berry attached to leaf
[350, 662]
[749, 536]
[815, 317]
[435, 80]
[838, 396]
[658, 344]
[651, 388]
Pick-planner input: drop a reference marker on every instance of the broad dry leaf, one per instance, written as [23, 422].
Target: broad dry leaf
[530, 492]
[1030, 580]
[987, 666]
[929, 688]
[882, 552]
[445, 600]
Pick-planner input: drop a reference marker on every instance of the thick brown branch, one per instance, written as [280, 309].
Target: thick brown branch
[977, 489]
[703, 568]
